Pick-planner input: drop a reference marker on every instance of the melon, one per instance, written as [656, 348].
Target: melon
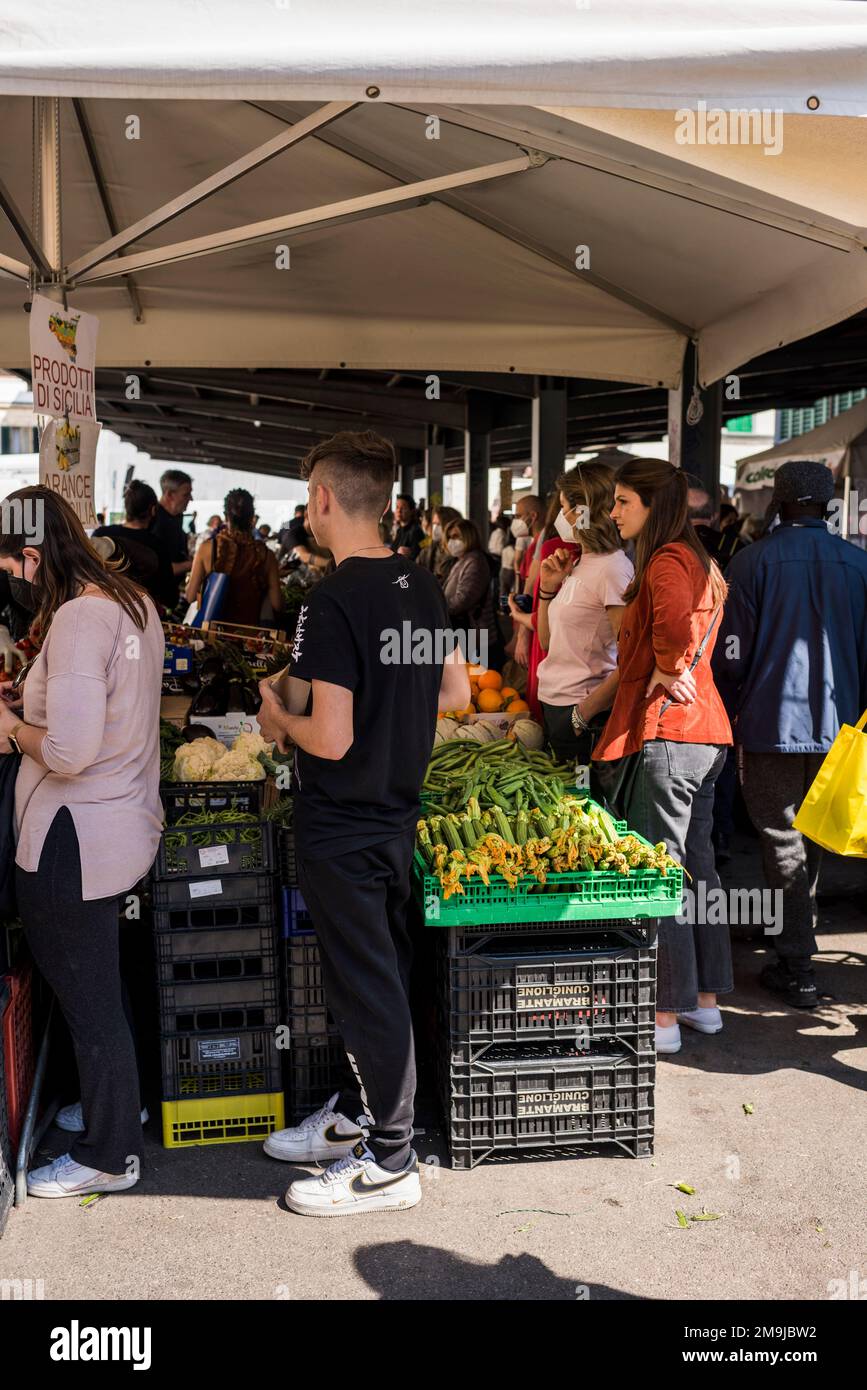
[446, 729]
[479, 732]
[528, 732]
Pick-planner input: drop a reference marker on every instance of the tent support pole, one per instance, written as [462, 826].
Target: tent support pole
[407, 462]
[477, 460]
[434, 466]
[548, 434]
[696, 447]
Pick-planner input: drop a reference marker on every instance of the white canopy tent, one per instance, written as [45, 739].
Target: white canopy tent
[841, 444]
[473, 185]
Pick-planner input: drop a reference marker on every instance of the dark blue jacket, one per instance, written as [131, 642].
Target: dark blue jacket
[791, 659]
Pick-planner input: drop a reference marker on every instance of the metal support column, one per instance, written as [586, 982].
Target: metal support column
[548, 434]
[434, 463]
[408, 460]
[477, 460]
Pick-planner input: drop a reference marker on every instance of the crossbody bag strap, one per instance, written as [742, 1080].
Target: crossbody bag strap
[666, 704]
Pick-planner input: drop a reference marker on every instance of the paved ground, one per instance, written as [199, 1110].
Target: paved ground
[788, 1181]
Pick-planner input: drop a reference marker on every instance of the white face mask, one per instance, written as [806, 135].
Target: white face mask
[455, 547]
[519, 528]
[436, 531]
[564, 530]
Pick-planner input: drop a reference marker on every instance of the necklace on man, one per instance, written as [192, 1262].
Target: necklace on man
[364, 547]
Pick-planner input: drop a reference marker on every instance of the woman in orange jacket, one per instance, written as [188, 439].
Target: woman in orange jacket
[664, 744]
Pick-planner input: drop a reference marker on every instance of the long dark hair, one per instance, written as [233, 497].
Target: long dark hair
[591, 485]
[664, 489]
[68, 560]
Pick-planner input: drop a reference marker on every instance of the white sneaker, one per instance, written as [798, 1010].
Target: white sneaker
[66, 1178]
[668, 1039]
[703, 1020]
[321, 1138]
[356, 1184]
[71, 1118]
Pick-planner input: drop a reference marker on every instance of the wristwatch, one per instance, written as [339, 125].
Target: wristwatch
[13, 741]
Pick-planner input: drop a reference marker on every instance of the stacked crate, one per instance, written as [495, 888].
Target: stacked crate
[7, 1153]
[216, 941]
[314, 1056]
[16, 1039]
[545, 1003]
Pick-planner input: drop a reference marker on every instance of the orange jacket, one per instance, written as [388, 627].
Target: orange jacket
[663, 626]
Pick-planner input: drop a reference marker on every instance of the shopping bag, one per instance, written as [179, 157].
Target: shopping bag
[834, 811]
[213, 599]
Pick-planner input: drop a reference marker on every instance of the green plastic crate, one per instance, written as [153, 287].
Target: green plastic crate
[574, 897]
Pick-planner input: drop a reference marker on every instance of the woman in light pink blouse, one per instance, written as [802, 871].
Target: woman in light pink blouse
[87, 810]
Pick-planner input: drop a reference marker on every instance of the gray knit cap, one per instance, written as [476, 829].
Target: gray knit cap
[803, 480]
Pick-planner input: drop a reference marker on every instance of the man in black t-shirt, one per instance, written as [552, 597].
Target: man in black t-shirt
[368, 676]
[147, 558]
[408, 535]
[168, 527]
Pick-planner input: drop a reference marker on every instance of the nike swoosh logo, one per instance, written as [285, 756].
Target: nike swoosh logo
[360, 1184]
[333, 1136]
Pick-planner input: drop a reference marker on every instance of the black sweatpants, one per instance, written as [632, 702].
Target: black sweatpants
[359, 903]
[75, 946]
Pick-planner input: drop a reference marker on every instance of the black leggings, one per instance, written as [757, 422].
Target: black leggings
[75, 945]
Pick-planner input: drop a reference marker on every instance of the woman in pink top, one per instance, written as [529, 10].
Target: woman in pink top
[580, 603]
[87, 810]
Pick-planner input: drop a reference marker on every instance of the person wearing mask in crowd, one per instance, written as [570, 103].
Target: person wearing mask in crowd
[507, 558]
[526, 528]
[407, 535]
[362, 746]
[437, 558]
[791, 665]
[148, 563]
[168, 527]
[580, 607]
[88, 816]
[467, 590]
[546, 543]
[250, 565]
[665, 741]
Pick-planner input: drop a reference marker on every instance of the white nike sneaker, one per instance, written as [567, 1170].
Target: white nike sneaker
[71, 1118]
[703, 1020]
[66, 1178]
[320, 1138]
[356, 1184]
[667, 1039]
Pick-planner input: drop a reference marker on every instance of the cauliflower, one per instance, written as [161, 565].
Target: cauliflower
[236, 766]
[250, 744]
[195, 761]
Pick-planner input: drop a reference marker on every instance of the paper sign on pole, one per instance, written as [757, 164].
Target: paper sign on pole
[62, 360]
[67, 462]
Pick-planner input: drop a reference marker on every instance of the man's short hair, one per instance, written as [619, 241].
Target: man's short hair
[173, 478]
[700, 504]
[406, 497]
[359, 467]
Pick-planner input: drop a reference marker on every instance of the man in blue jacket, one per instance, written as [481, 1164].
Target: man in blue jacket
[791, 666]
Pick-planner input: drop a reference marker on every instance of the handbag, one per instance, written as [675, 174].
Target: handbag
[9, 765]
[612, 782]
[214, 594]
[834, 811]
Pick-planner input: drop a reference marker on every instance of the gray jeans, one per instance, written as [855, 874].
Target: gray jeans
[671, 799]
[774, 785]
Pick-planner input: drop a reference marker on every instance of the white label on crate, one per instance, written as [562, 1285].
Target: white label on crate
[205, 888]
[220, 1050]
[557, 996]
[182, 663]
[532, 1103]
[214, 854]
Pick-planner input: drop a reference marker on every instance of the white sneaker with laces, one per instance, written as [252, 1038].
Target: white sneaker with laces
[667, 1039]
[66, 1178]
[356, 1184]
[71, 1118]
[322, 1137]
[703, 1020]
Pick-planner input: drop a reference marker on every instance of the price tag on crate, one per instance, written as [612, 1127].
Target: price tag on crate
[213, 855]
[205, 888]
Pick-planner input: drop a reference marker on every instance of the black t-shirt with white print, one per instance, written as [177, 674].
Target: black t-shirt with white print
[359, 629]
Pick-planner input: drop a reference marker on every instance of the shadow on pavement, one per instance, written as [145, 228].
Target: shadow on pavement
[402, 1269]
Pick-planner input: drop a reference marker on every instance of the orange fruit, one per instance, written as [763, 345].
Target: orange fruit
[509, 694]
[491, 680]
[518, 707]
[490, 701]
[476, 671]
[470, 709]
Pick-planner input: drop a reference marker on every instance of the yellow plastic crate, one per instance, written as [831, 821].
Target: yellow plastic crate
[221, 1120]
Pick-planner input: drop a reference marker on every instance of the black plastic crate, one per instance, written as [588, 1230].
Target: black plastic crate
[287, 866]
[206, 851]
[295, 913]
[219, 1007]
[212, 894]
[312, 1073]
[180, 797]
[576, 987]
[240, 1061]
[7, 1156]
[212, 957]
[465, 939]
[529, 1097]
[303, 990]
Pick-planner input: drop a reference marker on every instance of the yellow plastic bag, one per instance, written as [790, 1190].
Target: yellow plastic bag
[834, 811]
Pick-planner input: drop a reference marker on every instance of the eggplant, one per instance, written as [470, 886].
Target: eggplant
[236, 695]
[252, 700]
[191, 731]
[190, 683]
[211, 699]
[211, 669]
